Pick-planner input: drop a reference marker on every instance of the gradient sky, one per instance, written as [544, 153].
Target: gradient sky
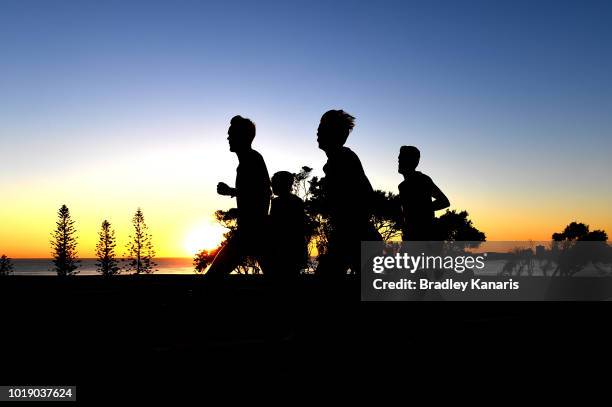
[110, 105]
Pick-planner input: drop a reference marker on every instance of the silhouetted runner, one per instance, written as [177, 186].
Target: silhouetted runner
[419, 196]
[252, 194]
[349, 197]
[288, 220]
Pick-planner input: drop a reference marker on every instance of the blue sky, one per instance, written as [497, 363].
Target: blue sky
[509, 101]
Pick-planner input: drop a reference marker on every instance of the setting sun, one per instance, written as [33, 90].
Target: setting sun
[205, 235]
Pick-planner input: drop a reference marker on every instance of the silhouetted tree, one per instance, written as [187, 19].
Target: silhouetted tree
[204, 258]
[64, 244]
[228, 219]
[301, 183]
[105, 251]
[6, 266]
[140, 248]
[580, 232]
[576, 247]
[318, 227]
[387, 215]
[456, 227]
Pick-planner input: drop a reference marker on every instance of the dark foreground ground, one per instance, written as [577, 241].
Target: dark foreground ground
[172, 336]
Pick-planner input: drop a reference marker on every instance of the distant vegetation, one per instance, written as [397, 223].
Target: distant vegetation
[6, 266]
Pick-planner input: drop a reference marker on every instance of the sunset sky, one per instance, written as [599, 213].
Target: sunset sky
[107, 106]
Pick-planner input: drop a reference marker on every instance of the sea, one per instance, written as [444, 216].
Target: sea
[184, 265]
[496, 253]
[41, 267]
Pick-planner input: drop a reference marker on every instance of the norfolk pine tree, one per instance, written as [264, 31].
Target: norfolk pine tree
[105, 250]
[64, 244]
[140, 248]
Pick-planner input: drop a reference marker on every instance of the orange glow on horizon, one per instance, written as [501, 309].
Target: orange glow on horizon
[178, 198]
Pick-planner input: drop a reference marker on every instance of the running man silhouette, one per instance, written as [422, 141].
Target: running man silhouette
[252, 194]
[420, 197]
[349, 197]
[288, 226]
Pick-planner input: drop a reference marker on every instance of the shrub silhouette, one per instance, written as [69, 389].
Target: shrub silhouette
[203, 259]
[576, 247]
[6, 266]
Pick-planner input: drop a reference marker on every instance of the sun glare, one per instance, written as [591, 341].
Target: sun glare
[203, 236]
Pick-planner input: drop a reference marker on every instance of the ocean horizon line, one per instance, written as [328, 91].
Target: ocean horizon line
[95, 258]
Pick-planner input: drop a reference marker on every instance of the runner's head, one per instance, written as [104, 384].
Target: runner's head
[408, 159]
[240, 133]
[334, 129]
[282, 183]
